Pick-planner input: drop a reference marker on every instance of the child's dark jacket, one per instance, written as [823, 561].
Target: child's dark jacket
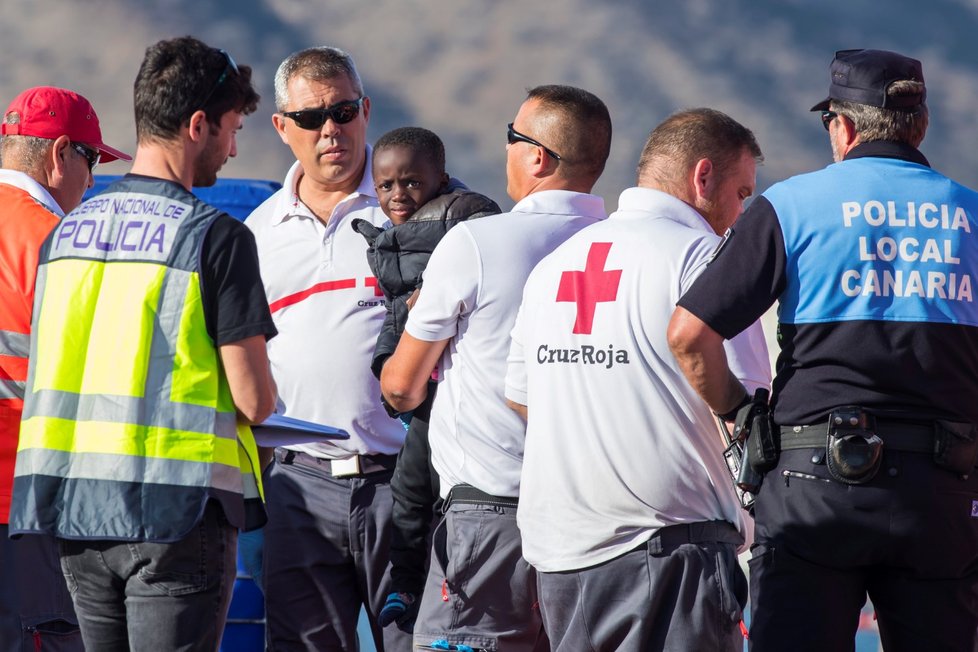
[398, 255]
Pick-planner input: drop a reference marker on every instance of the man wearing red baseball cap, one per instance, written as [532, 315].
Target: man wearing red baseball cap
[51, 143]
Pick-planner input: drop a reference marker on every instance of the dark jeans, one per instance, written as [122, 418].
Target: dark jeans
[908, 539]
[154, 596]
[35, 607]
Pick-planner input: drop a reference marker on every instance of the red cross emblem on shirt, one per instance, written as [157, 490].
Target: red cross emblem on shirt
[371, 281]
[588, 288]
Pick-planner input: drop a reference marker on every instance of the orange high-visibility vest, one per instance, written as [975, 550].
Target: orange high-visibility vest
[24, 223]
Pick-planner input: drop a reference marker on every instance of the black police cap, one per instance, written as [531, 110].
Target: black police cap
[863, 76]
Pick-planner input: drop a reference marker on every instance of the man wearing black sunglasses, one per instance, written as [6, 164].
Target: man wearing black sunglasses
[148, 362]
[51, 140]
[329, 504]
[480, 591]
[872, 487]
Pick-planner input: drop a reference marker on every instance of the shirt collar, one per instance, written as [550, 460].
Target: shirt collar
[888, 149]
[661, 204]
[290, 205]
[562, 202]
[27, 183]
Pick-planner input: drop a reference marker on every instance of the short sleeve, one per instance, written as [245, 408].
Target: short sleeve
[450, 289]
[235, 306]
[746, 275]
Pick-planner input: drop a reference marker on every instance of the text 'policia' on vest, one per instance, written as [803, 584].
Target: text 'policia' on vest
[142, 438]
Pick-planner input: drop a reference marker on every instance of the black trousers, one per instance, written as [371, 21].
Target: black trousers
[908, 539]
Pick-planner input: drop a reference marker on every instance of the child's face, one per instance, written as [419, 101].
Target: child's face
[405, 181]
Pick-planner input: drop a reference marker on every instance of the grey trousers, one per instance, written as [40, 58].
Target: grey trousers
[681, 591]
[480, 591]
[147, 597]
[327, 544]
[35, 606]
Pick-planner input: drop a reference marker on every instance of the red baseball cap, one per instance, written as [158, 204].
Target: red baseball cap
[49, 112]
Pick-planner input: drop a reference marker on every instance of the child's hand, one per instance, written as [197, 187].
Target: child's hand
[400, 608]
[413, 299]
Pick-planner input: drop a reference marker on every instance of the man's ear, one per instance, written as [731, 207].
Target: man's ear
[366, 109]
[56, 162]
[538, 163]
[198, 125]
[704, 177]
[444, 181]
[278, 121]
[847, 131]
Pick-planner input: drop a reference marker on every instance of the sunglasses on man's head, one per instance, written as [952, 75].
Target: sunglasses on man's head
[229, 67]
[92, 156]
[340, 113]
[513, 136]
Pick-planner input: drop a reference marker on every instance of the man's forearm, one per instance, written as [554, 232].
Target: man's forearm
[518, 408]
[249, 378]
[699, 351]
[404, 378]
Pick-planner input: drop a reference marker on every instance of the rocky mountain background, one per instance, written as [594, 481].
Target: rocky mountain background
[461, 67]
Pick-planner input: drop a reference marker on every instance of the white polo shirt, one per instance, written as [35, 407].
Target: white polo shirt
[618, 443]
[471, 292]
[328, 310]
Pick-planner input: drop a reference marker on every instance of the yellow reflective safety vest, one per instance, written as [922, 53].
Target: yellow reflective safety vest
[129, 426]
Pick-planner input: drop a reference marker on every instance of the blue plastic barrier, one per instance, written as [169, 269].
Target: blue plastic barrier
[237, 197]
[245, 627]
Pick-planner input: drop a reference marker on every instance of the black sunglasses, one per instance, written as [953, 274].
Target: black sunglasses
[513, 136]
[340, 113]
[229, 67]
[92, 156]
[827, 118]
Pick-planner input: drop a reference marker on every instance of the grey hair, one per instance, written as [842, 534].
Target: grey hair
[317, 64]
[24, 153]
[873, 123]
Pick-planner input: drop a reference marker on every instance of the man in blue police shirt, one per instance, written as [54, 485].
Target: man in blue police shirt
[873, 262]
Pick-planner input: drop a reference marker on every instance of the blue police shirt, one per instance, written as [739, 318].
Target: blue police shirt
[873, 262]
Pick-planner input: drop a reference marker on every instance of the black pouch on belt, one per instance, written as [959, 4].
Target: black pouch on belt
[955, 446]
[763, 446]
[755, 432]
[853, 451]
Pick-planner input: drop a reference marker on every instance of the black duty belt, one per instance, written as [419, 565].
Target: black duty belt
[673, 536]
[896, 435]
[466, 494]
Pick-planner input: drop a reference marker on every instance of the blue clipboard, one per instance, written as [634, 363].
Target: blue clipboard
[279, 430]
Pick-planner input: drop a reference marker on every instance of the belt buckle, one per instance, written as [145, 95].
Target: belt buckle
[346, 467]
